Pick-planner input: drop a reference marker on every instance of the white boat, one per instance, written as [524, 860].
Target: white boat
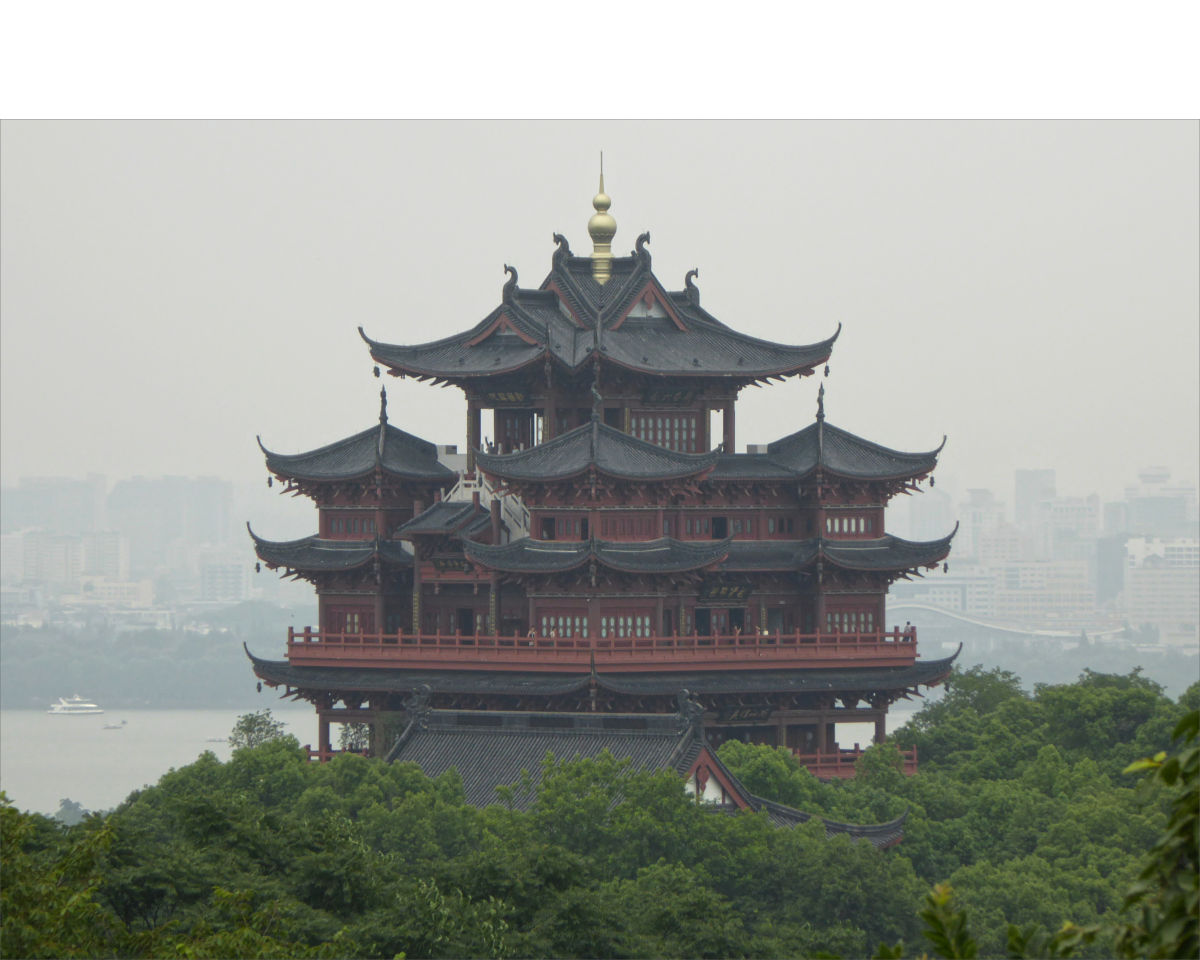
[74, 706]
[116, 726]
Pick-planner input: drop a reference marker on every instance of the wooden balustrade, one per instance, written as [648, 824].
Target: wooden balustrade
[312, 647]
[840, 764]
[323, 756]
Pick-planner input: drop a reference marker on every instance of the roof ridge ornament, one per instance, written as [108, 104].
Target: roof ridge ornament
[640, 250]
[510, 285]
[418, 707]
[602, 228]
[821, 403]
[562, 249]
[689, 713]
[690, 288]
[383, 422]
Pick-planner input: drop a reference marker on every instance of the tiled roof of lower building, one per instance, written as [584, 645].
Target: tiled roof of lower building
[491, 748]
[494, 749]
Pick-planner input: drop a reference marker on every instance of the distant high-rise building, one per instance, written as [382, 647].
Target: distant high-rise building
[157, 513]
[106, 554]
[930, 515]
[61, 505]
[224, 582]
[1066, 528]
[1031, 487]
[52, 558]
[1162, 587]
[1155, 507]
[980, 515]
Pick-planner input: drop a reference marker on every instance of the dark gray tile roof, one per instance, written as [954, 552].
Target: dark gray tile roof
[769, 554]
[462, 517]
[749, 466]
[491, 749]
[725, 681]
[315, 553]
[611, 451]
[385, 446]
[879, 835]
[537, 328]
[664, 555]
[837, 451]
[395, 680]
[886, 553]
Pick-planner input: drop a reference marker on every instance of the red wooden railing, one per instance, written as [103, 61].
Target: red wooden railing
[493, 651]
[840, 764]
[317, 755]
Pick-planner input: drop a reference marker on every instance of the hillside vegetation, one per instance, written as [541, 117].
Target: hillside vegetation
[1022, 806]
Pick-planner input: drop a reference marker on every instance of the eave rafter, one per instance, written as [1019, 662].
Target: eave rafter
[378, 487]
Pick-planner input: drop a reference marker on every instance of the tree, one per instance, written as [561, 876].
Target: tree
[69, 812]
[1166, 898]
[354, 736]
[47, 901]
[255, 729]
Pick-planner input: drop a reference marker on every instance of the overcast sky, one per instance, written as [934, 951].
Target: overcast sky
[1029, 289]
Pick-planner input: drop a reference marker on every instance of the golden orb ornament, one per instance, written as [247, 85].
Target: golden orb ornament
[602, 228]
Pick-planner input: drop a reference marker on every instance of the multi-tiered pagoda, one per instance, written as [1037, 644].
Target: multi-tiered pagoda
[603, 551]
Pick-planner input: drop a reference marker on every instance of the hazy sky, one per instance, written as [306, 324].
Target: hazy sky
[1029, 289]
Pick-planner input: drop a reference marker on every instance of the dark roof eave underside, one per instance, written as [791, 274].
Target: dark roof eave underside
[701, 682]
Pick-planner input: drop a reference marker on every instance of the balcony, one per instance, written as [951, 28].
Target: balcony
[735, 651]
[840, 764]
[317, 755]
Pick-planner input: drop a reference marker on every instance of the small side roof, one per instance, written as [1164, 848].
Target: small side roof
[610, 451]
[447, 517]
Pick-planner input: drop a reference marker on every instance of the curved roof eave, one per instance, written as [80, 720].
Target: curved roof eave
[926, 553]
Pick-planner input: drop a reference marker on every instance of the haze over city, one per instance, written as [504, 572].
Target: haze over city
[172, 289]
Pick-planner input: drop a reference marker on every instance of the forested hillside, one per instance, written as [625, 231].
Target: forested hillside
[1022, 806]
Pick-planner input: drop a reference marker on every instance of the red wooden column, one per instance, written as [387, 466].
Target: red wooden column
[550, 416]
[727, 425]
[323, 735]
[493, 617]
[473, 433]
[416, 596]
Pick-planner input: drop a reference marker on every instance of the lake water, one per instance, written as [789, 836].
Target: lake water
[45, 758]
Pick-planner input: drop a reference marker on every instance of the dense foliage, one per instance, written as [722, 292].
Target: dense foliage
[1022, 805]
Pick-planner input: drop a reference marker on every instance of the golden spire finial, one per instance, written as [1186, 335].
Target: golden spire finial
[602, 228]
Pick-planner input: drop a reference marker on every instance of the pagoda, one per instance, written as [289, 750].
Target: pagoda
[603, 551]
